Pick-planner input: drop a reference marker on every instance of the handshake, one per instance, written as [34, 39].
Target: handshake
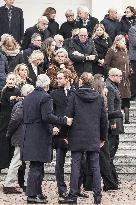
[69, 121]
[90, 57]
[56, 129]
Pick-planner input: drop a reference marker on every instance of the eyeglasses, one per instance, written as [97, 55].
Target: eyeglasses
[117, 75]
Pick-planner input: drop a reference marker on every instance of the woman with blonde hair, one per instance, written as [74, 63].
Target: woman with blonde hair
[102, 43]
[22, 75]
[117, 57]
[34, 66]
[11, 49]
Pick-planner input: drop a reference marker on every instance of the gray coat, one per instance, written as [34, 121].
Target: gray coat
[3, 70]
[114, 105]
[132, 43]
[37, 116]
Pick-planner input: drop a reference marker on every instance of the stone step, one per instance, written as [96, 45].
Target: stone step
[130, 128]
[132, 111]
[125, 160]
[125, 151]
[127, 145]
[130, 137]
[131, 169]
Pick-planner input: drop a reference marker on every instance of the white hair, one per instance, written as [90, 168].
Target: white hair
[43, 18]
[42, 80]
[36, 54]
[26, 89]
[62, 50]
[115, 71]
[84, 9]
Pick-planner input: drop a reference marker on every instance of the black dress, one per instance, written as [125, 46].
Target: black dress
[6, 107]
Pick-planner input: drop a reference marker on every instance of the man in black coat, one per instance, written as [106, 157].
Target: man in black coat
[11, 20]
[82, 52]
[85, 20]
[87, 134]
[40, 27]
[115, 115]
[37, 140]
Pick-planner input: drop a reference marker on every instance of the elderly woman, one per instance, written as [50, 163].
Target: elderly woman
[60, 61]
[68, 26]
[34, 66]
[117, 57]
[59, 41]
[11, 49]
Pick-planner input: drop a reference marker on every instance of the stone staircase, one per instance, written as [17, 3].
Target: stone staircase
[125, 159]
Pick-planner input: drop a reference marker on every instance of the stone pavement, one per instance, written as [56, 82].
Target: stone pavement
[126, 195]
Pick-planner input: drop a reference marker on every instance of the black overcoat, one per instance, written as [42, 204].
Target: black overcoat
[80, 63]
[16, 29]
[114, 104]
[90, 122]
[37, 114]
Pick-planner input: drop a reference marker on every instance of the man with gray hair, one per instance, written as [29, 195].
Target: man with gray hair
[114, 113]
[37, 141]
[35, 44]
[85, 20]
[41, 27]
[15, 133]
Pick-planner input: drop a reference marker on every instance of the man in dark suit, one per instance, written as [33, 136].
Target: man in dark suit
[60, 100]
[40, 27]
[11, 20]
[37, 140]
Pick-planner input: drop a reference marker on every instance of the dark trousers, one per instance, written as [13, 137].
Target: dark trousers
[133, 79]
[35, 178]
[59, 170]
[93, 158]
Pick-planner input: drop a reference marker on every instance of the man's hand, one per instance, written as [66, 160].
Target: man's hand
[77, 53]
[55, 131]
[69, 121]
[102, 144]
[90, 57]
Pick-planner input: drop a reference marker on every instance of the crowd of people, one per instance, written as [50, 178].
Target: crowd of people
[66, 87]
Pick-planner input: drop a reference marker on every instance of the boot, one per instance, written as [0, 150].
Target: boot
[126, 111]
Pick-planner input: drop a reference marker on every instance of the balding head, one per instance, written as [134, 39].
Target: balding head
[83, 35]
[113, 13]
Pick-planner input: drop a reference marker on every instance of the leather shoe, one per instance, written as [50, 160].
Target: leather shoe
[41, 196]
[36, 200]
[97, 199]
[68, 200]
[83, 195]
[11, 190]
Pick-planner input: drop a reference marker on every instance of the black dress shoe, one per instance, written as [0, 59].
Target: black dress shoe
[11, 190]
[36, 200]
[41, 196]
[97, 199]
[83, 195]
[68, 200]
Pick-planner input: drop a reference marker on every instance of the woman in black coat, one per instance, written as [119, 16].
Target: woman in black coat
[9, 96]
[102, 43]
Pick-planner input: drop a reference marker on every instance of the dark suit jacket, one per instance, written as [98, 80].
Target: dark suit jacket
[17, 22]
[32, 74]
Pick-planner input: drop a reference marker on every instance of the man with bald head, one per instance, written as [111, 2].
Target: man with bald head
[82, 52]
[111, 23]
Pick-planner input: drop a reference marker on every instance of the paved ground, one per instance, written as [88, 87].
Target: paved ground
[125, 196]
